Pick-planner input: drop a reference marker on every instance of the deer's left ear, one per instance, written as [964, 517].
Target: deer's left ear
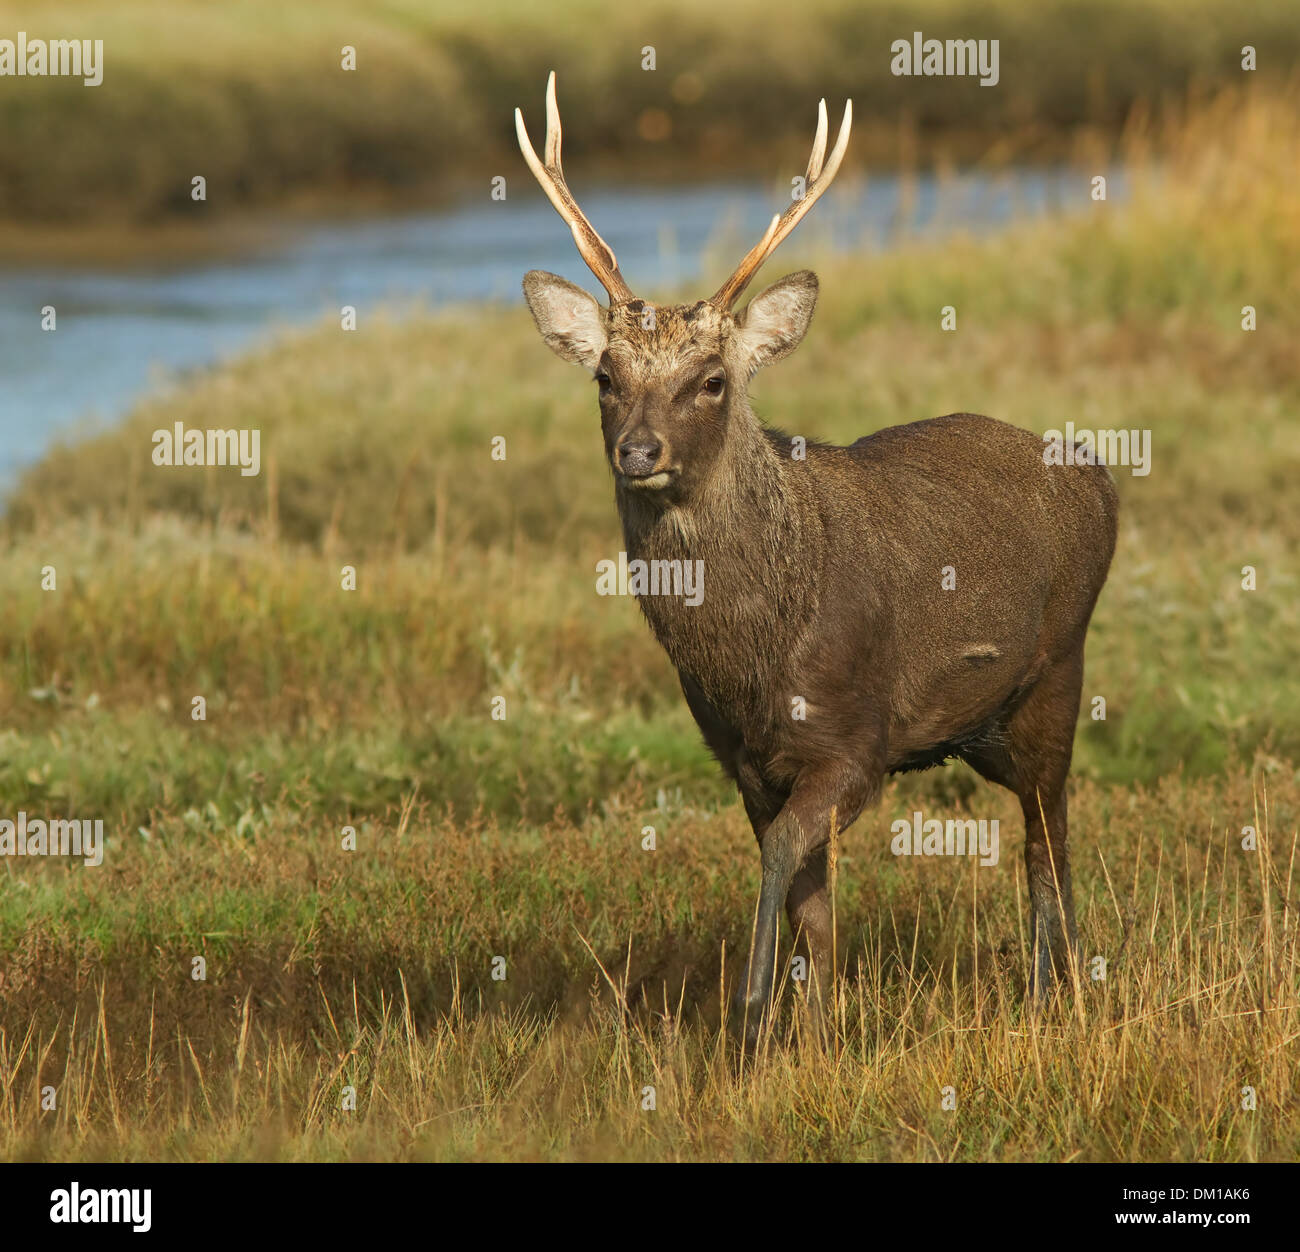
[774, 322]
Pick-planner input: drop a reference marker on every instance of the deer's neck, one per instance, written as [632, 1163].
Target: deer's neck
[755, 535]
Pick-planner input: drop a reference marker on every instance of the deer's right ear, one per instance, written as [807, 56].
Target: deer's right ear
[571, 322]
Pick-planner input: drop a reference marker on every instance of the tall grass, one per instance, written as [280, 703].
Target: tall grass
[372, 971]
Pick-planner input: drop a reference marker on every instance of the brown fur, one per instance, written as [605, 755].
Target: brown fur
[823, 580]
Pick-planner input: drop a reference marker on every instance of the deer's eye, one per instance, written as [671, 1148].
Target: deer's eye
[713, 385]
[602, 381]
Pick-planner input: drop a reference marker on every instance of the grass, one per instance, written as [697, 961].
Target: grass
[373, 970]
[521, 839]
[259, 92]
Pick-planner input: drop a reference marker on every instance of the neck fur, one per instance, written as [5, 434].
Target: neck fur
[758, 534]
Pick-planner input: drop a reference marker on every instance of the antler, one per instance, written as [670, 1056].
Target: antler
[598, 255]
[815, 182]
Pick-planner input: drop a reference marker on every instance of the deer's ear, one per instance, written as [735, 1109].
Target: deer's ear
[571, 322]
[774, 322]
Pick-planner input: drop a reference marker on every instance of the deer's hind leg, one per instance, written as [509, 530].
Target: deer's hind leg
[1031, 756]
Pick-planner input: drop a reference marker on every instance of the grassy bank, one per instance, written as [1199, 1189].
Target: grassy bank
[477, 838]
[252, 96]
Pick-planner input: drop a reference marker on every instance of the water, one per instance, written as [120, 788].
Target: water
[122, 333]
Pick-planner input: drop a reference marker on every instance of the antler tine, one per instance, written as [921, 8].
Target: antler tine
[818, 178]
[598, 255]
[819, 144]
[553, 129]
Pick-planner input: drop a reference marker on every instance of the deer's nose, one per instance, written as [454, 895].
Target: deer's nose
[638, 455]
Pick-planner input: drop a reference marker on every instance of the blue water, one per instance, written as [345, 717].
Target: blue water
[122, 333]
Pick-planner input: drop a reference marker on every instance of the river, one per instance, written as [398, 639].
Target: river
[121, 333]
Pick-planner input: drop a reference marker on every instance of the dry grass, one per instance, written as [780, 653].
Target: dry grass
[372, 970]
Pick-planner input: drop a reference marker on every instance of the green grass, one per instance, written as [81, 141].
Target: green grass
[521, 839]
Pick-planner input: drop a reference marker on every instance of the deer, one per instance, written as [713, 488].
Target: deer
[921, 595]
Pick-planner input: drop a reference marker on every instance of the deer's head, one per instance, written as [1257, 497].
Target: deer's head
[672, 379]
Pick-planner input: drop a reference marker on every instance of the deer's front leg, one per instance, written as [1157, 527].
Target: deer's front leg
[800, 830]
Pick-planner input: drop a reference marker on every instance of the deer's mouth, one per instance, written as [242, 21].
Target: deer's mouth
[648, 482]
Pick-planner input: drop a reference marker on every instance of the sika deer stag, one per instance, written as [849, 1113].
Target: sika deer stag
[826, 576]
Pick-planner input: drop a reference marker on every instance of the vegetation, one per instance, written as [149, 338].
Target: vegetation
[477, 838]
[252, 96]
